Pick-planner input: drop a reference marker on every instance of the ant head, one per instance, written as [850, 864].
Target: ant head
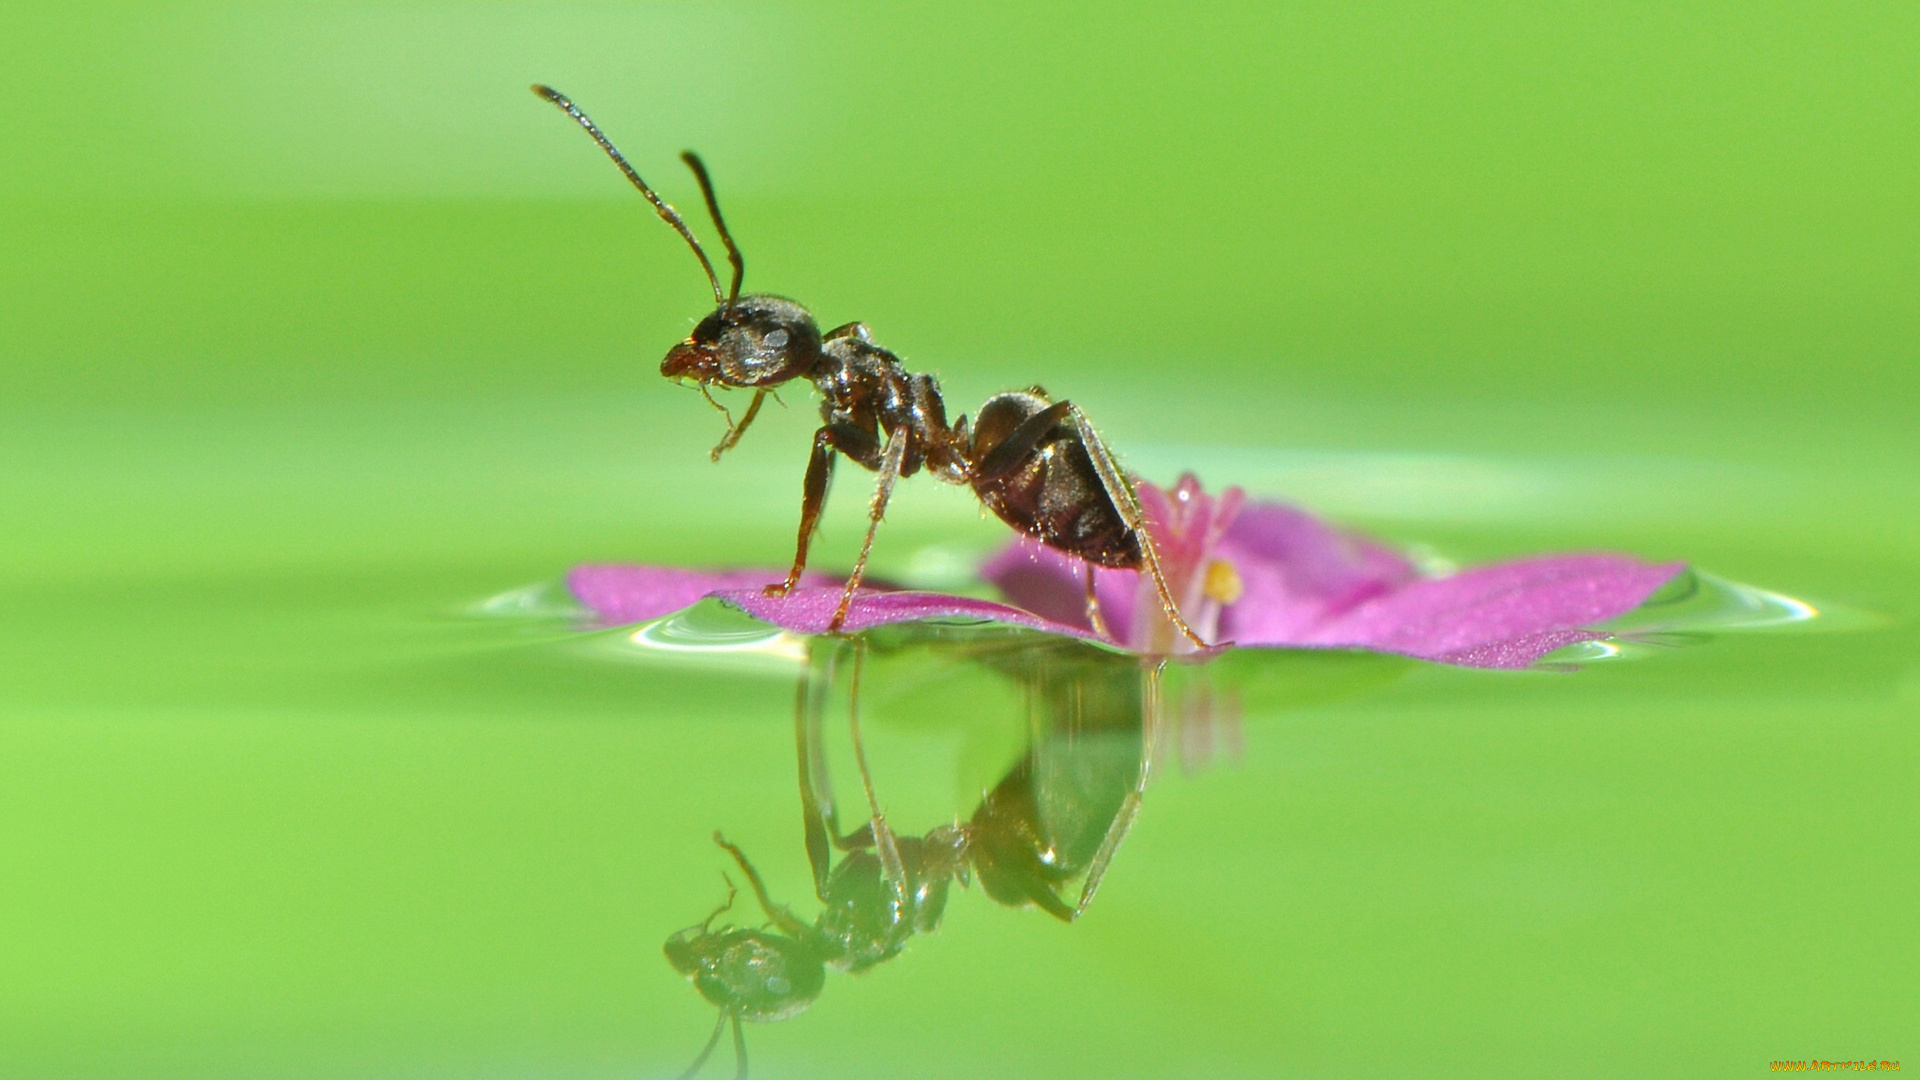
[755, 341]
[752, 974]
[748, 341]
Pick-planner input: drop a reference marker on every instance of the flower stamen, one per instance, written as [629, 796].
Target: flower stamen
[1223, 584]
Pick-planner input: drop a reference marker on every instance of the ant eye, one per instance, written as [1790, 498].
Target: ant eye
[777, 339]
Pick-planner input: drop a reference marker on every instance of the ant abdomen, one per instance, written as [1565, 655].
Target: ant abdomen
[1043, 482]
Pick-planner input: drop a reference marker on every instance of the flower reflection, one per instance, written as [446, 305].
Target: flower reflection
[1255, 574]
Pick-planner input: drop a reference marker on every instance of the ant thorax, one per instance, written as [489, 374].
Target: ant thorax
[857, 378]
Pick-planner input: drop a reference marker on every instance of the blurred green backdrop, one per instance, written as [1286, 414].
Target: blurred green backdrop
[316, 326]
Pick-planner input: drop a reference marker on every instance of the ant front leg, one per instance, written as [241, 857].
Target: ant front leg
[813, 498]
[780, 915]
[845, 439]
[734, 431]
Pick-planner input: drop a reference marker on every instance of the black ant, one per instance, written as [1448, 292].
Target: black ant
[1035, 462]
[1059, 813]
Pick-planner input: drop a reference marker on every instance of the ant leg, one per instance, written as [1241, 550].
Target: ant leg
[944, 447]
[829, 439]
[779, 914]
[739, 1049]
[713, 1040]
[820, 818]
[1121, 492]
[706, 924]
[891, 866]
[734, 431]
[813, 498]
[813, 818]
[889, 472]
[1013, 449]
[721, 409]
[1094, 617]
[1130, 807]
[815, 782]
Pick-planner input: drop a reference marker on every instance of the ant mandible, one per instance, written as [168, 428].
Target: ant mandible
[1035, 462]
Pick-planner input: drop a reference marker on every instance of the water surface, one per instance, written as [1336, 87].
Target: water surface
[323, 785]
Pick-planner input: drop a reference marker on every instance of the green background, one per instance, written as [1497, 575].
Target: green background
[316, 329]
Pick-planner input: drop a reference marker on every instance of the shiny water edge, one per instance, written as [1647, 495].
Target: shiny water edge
[1688, 611]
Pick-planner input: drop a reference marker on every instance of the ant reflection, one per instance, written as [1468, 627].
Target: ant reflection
[1057, 814]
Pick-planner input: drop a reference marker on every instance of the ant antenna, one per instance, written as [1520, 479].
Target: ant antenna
[667, 213]
[707, 1052]
[713, 208]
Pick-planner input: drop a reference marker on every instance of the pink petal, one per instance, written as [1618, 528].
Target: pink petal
[1052, 584]
[809, 610]
[1306, 585]
[1185, 521]
[1506, 615]
[621, 594]
[1520, 652]
[1297, 571]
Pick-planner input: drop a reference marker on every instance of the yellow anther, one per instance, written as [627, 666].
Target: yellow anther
[1223, 582]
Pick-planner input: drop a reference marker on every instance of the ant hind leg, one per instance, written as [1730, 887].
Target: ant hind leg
[1130, 807]
[1123, 498]
[1094, 618]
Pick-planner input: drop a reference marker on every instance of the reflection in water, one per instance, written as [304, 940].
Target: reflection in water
[1090, 726]
[1054, 818]
[1053, 810]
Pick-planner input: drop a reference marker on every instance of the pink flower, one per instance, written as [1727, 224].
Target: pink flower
[1253, 574]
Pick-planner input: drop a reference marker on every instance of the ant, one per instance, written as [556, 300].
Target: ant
[1058, 813]
[1035, 462]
